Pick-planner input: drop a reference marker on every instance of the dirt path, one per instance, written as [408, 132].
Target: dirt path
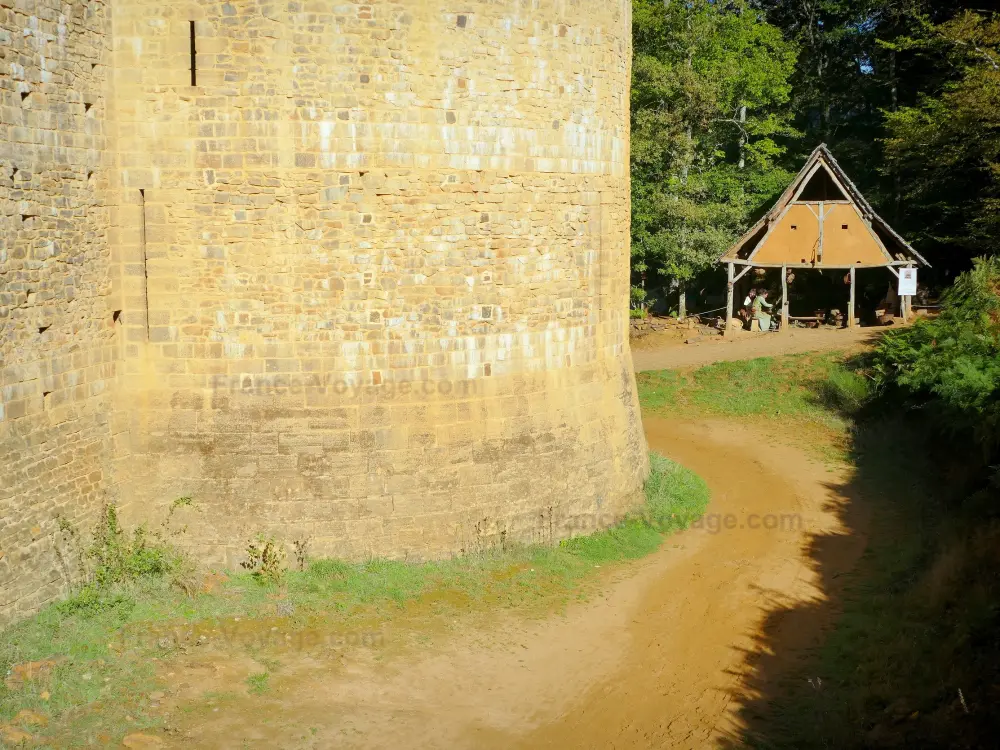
[668, 353]
[658, 661]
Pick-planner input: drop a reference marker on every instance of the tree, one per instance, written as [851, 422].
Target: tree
[946, 149]
[866, 71]
[709, 102]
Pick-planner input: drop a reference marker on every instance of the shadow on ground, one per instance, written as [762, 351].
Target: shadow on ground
[903, 649]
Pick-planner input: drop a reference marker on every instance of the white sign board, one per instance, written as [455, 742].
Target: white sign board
[907, 282]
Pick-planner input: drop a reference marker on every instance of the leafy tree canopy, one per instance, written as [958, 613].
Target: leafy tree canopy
[946, 148]
[710, 103]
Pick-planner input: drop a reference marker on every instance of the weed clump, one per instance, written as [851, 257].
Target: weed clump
[258, 683]
[119, 561]
[265, 559]
[121, 557]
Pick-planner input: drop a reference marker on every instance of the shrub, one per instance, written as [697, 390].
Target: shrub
[637, 296]
[120, 558]
[951, 364]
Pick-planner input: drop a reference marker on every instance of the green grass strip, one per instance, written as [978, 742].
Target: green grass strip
[102, 639]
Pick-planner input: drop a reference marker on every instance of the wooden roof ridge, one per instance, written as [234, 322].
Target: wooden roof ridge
[863, 203]
[822, 154]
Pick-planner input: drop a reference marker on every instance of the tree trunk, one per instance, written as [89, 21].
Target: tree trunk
[743, 136]
[688, 157]
[896, 187]
[892, 79]
[729, 301]
[681, 299]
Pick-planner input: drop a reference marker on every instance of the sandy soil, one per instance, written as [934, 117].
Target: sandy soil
[668, 351]
[658, 661]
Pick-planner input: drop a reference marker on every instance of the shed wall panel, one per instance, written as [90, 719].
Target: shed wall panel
[794, 240]
[855, 245]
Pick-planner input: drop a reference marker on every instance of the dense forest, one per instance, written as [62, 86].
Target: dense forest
[730, 96]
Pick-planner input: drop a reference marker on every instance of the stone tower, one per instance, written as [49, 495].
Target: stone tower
[349, 273]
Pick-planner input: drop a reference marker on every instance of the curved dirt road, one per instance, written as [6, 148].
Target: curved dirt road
[657, 662]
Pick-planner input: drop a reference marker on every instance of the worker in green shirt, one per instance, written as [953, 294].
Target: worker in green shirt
[758, 310]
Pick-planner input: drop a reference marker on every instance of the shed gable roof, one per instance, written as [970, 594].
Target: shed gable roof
[821, 158]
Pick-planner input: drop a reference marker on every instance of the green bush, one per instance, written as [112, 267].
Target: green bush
[120, 558]
[950, 365]
[637, 296]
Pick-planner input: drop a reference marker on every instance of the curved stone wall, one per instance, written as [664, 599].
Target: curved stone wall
[365, 270]
[386, 270]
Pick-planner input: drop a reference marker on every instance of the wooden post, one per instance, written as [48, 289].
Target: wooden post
[907, 306]
[784, 298]
[729, 303]
[850, 309]
[822, 218]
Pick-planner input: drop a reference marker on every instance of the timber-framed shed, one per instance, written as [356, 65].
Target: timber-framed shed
[821, 221]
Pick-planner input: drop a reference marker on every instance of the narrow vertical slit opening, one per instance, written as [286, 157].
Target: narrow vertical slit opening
[194, 56]
[145, 267]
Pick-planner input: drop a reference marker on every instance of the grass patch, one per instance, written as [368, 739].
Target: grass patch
[814, 397]
[675, 498]
[259, 683]
[102, 641]
[795, 386]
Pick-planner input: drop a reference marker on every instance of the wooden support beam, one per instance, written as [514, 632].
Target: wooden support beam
[742, 273]
[850, 309]
[784, 299]
[729, 300]
[822, 218]
[755, 264]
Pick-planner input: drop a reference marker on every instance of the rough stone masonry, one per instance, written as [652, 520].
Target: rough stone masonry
[352, 274]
